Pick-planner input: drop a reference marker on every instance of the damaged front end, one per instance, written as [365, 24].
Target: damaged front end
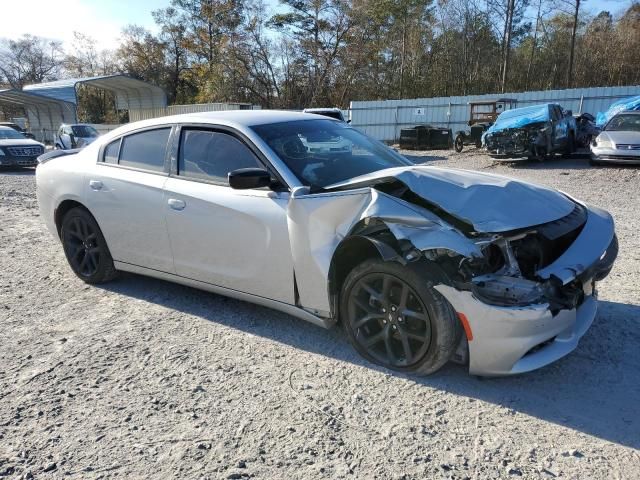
[523, 274]
[530, 141]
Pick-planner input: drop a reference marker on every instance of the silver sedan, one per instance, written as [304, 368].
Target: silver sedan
[420, 265]
[619, 141]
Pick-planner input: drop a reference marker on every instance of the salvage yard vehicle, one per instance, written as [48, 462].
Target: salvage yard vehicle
[425, 137]
[481, 116]
[75, 136]
[18, 128]
[534, 132]
[420, 265]
[619, 141]
[16, 150]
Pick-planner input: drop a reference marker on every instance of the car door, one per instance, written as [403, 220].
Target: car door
[236, 239]
[125, 195]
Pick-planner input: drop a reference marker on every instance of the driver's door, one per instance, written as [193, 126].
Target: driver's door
[236, 239]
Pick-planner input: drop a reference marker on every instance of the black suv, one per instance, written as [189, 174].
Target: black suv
[16, 150]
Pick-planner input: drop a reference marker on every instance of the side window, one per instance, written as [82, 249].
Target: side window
[111, 152]
[145, 150]
[212, 155]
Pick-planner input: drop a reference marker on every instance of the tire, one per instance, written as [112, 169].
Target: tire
[431, 330]
[459, 143]
[85, 247]
[594, 163]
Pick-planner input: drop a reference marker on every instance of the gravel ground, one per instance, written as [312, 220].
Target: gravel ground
[145, 379]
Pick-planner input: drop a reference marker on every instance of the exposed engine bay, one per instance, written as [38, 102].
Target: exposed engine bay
[531, 141]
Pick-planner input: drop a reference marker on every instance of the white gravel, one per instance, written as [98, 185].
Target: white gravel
[143, 378]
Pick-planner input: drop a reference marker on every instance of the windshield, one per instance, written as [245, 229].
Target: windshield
[10, 133]
[84, 131]
[629, 123]
[322, 152]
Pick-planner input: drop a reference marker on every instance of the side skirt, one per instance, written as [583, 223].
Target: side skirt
[228, 292]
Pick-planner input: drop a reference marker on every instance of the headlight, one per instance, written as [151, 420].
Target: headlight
[600, 143]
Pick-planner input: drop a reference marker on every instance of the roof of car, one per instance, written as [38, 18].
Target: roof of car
[231, 118]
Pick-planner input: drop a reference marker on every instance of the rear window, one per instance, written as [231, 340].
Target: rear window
[111, 152]
[145, 150]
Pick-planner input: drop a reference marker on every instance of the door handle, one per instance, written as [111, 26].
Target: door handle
[176, 204]
[95, 184]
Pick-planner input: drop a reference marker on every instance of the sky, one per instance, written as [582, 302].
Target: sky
[104, 19]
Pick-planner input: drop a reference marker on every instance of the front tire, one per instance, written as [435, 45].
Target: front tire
[459, 143]
[85, 247]
[394, 317]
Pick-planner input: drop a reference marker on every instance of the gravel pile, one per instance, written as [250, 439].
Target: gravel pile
[143, 378]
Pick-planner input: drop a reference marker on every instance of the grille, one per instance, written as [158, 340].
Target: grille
[24, 151]
[628, 146]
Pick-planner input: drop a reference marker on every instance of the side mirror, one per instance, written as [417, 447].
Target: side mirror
[349, 121]
[245, 178]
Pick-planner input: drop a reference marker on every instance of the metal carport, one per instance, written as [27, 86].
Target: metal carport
[131, 94]
[45, 114]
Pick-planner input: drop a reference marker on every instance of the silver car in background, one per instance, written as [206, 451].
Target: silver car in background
[74, 136]
[619, 141]
[420, 265]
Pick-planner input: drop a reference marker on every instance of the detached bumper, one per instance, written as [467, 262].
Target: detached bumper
[512, 340]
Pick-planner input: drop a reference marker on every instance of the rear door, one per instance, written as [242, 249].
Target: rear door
[125, 195]
[236, 239]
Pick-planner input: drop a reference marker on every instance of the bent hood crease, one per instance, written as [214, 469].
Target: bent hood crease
[489, 203]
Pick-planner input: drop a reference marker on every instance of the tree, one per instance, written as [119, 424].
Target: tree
[30, 59]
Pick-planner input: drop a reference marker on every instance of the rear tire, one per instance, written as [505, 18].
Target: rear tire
[85, 247]
[394, 317]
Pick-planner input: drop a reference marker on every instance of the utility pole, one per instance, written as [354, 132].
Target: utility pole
[573, 44]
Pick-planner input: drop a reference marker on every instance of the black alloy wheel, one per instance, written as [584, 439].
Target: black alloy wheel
[394, 316]
[391, 322]
[85, 247]
[80, 243]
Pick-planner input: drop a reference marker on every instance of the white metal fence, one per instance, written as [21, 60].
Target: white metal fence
[384, 119]
[143, 114]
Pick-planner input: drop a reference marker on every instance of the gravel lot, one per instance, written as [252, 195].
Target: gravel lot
[143, 378]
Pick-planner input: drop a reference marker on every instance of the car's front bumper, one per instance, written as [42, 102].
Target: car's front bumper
[18, 161]
[511, 340]
[615, 155]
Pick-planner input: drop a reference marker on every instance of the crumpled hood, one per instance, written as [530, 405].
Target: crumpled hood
[490, 203]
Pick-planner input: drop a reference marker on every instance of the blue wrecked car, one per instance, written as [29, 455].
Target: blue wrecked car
[534, 132]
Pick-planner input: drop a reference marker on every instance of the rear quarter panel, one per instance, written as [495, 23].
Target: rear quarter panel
[62, 179]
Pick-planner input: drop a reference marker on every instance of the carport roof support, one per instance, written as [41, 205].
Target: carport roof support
[45, 114]
[130, 92]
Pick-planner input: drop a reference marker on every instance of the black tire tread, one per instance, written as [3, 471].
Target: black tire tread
[107, 270]
[445, 325]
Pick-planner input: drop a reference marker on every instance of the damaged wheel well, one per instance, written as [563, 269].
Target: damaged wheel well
[351, 252]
